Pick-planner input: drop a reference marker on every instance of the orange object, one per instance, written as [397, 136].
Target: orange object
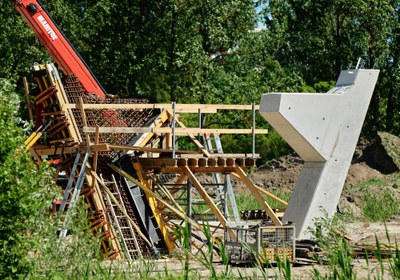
[59, 47]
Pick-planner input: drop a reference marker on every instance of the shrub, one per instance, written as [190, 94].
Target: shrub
[25, 190]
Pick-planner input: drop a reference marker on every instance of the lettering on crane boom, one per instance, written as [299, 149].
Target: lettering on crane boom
[47, 27]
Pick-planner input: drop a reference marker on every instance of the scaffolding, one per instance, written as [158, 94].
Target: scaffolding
[139, 187]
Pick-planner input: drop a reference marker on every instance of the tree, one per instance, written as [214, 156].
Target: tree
[319, 38]
[25, 189]
[19, 47]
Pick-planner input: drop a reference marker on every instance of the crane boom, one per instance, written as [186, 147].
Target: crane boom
[59, 47]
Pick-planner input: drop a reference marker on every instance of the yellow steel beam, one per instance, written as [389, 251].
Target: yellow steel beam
[152, 203]
[146, 190]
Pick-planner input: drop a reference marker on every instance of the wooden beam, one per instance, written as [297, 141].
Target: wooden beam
[27, 98]
[179, 131]
[271, 196]
[180, 179]
[178, 183]
[83, 115]
[257, 195]
[208, 200]
[153, 205]
[180, 108]
[193, 138]
[221, 155]
[96, 153]
[38, 151]
[87, 129]
[233, 174]
[147, 149]
[101, 182]
[98, 202]
[100, 147]
[183, 108]
[159, 122]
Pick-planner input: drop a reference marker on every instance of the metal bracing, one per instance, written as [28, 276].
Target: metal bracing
[225, 190]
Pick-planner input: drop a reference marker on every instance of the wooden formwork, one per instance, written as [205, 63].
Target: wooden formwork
[144, 132]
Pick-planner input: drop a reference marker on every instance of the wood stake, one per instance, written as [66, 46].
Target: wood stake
[28, 101]
[83, 114]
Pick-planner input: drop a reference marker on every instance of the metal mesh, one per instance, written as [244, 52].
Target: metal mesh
[267, 242]
[106, 117]
[110, 118]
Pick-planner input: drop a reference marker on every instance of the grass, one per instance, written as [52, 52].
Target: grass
[379, 182]
[83, 261]
[246, 201]
[339, 254]
[377, 198]
[379, 207]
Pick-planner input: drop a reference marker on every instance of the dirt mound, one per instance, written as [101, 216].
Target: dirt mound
[370, 160]
[281, 173]
[360, 172]
[384, 153]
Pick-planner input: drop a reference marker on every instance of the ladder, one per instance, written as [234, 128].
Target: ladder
[225, 189]
[125, 232]
[77, 176]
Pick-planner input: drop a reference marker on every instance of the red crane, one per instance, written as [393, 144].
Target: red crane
[59, 47]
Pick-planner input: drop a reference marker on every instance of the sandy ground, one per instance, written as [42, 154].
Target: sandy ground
[171, 266]
[365, 232]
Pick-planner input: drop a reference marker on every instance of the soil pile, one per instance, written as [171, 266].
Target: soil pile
[370, 160]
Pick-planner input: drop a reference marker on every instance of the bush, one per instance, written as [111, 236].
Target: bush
[25, 190]
[29, 243]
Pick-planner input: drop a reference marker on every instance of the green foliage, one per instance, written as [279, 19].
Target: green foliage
[341, 264]
[206, 52]
[380, 254]
[207, 254]
[271, 146]
[394, 263]
[26, 190]
[380, 207]
[19, 47]
[30, 247]
[77, 256]
[247, 201]
[336, 249]
[284, 267]
[325, 232]
[324, 86]
[371, 182]
[319, 38]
